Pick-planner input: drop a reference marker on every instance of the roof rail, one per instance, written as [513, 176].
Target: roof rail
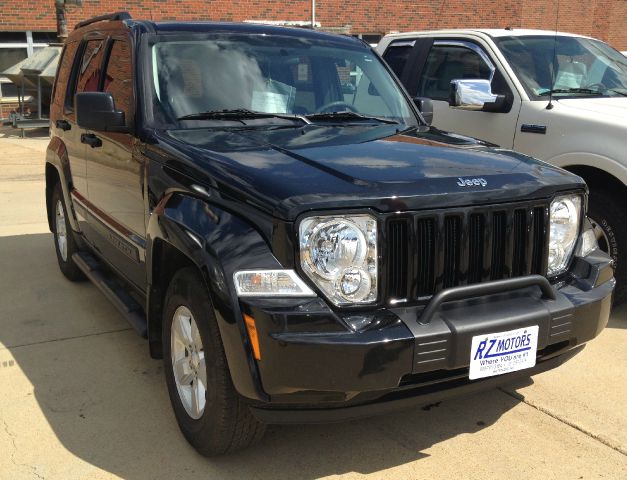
[109, 16]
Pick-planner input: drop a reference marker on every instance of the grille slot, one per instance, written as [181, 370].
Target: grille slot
[499, 226]
[425, 250]
[540, 241]
[520, 240]
[451, 241]
[398, 258]
[438, 250]
[476, 226]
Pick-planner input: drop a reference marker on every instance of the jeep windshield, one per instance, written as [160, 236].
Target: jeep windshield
[566, 66]
[263, 80]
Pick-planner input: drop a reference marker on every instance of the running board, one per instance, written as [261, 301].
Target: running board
[106, 282]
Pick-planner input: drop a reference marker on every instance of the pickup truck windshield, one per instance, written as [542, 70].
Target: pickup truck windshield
[581, 67]
[274, 75]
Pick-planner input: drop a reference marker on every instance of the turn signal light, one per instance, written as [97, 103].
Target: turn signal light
[252, 334]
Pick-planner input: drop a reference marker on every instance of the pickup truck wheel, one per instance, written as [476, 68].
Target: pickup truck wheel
[210, 413]
[609, 221]
[64, 243]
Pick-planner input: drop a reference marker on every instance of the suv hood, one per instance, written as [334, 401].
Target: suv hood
[615, 107]
[286, 171]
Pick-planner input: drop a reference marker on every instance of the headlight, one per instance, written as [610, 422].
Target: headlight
[565, 217]
[339, 254]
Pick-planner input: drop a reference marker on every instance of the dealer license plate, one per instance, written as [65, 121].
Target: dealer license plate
[498, 353]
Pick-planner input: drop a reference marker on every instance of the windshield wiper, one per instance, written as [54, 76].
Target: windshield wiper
[615, 90]
[239, 114]
[348, 115]
[587, 91]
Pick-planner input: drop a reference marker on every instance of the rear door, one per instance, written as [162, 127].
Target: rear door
[428, 70]
[79, 71]
[61, 112]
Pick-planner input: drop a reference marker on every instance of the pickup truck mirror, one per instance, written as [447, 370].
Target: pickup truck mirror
[96, 111]
[475, 94]
[425, 105]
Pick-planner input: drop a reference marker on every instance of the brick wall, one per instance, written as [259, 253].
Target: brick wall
[604, 19]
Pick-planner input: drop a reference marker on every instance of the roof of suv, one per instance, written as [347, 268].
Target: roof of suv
[492, 32]
[201, 27]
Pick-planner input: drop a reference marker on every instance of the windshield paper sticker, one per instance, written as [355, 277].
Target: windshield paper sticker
[269, 102]
[277, 98]
[504, 352]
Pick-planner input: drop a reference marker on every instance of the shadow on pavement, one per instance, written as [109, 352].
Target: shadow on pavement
[106, 400]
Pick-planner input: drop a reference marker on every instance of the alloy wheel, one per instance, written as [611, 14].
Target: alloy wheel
[188, 362]
[60, 230]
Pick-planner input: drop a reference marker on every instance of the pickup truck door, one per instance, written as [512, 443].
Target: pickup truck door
[429, 70]
[115, 175]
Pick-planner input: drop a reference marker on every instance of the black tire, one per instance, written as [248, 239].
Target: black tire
[607, 211]
[226, 424]
[66, 264]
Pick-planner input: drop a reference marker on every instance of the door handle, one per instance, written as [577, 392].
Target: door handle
[63, 125]
[92, 140]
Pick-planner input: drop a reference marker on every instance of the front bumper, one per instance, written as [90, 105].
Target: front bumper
[315, 368]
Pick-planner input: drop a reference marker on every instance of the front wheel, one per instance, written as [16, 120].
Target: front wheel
[609, 221]
[210, 413]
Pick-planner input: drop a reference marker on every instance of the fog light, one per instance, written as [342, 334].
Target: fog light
[354, 284]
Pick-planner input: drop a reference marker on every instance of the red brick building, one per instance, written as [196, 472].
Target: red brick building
[604, 19]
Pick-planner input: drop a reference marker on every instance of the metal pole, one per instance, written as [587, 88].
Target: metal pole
[38, 97]
[313, 14]
[61, 20]
[22, 105]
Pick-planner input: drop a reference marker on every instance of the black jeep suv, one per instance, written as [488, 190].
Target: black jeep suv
[269, 208]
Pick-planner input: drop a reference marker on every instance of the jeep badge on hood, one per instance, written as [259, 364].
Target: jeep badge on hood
[469, 182]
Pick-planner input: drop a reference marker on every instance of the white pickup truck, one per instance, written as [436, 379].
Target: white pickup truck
[558, 97]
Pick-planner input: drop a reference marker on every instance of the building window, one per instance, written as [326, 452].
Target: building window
[16, 46]
[9, 56]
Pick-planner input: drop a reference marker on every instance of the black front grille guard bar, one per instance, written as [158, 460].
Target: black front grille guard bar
[488, 288]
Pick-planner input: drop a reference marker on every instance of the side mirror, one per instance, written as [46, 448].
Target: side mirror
[425, 105]
[475, 95]
[96, 111]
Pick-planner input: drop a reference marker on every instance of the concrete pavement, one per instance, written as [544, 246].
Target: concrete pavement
[80, 397]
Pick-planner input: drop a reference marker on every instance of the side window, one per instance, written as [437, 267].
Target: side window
[118, 79]
[90, 66]
[450, 62]
[85, 74]
[397, 54]
[65, 68]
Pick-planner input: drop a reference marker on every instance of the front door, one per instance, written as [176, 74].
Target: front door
[115, 175]
[456, 59]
